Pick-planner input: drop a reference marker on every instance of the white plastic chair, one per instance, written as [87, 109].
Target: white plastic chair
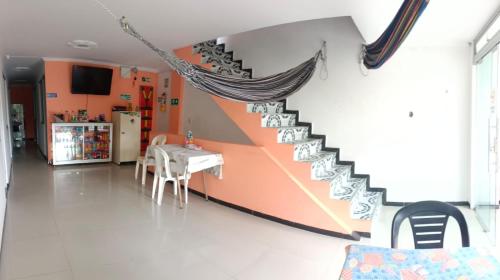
[148, 158]
[165, 171]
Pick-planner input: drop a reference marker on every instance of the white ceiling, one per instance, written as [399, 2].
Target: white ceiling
[43, 28]
[14, 75]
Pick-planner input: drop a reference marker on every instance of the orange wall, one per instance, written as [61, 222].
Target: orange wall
[58, 80]
[23, 94]
[252, 180]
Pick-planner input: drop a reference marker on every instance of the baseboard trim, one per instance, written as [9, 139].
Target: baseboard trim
[355, 236]
[396, 203]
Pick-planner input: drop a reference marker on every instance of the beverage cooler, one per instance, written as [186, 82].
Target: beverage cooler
[74, 143]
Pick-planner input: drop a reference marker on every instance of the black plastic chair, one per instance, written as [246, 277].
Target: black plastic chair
[428, 221]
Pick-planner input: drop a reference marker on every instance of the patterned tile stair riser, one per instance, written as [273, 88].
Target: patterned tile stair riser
[222, 62]
[278, 120]
[363, 204]
[290, 134]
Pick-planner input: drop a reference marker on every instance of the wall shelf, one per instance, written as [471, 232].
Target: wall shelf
[146, 94]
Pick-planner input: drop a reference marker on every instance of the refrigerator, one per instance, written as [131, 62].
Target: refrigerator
[126, 136]
[75, 143]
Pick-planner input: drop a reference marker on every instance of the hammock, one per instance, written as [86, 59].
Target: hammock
[378, 52]
[272, 88]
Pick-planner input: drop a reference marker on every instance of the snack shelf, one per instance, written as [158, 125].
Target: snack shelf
[74, 143]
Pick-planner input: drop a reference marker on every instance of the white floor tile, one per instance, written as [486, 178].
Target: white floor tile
[63, 275]
[33, 257]
[233, 256]
[24, 226]
[96, 222]
[282, 265]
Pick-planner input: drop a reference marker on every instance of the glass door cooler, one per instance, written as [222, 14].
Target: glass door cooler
[74, 143]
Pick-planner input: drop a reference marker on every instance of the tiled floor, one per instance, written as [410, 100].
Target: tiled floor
[95, 222]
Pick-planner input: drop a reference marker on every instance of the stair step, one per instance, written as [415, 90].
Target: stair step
[199, 47]
[321, 162]
[292, 134]
[227, 71]
[305, 148]
[348, 190]
[278, 120]
[339, 174]
[265, 108]
[224, 62]
[320, 156]
[208, 57]
[365, 204]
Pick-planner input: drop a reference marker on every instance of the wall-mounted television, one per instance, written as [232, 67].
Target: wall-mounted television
[91, 80]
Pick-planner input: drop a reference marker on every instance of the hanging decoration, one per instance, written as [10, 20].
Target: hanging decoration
[377, 53]
[265, 89]
[162, 100]
[146, 106]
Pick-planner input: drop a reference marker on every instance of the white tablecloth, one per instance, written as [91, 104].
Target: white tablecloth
[193, 160]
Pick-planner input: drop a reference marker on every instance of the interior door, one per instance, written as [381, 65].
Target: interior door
[485, 143]
[42, 115]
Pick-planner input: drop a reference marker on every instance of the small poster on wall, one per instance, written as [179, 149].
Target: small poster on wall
[162, 100]
[125, 96]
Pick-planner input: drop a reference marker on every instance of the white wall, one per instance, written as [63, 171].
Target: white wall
[207, 120]
[424, 157]
[5, 145]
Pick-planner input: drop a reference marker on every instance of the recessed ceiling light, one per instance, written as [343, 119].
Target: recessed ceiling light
[22, 68]
[83, 44]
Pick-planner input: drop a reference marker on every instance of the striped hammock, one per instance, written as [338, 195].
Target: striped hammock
[378, 52]
[271, 88]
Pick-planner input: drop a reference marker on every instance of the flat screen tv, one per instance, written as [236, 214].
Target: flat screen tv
[91, 80]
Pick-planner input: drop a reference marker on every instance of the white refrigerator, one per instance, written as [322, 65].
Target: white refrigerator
[126, 136]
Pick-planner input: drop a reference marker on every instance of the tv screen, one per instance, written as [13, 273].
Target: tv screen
[91, 80]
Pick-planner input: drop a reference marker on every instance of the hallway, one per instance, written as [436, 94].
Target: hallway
[96, 222]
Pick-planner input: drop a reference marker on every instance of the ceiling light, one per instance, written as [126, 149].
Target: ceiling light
[22, 68]
[82, 44]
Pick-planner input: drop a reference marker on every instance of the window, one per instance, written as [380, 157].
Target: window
[488, 35]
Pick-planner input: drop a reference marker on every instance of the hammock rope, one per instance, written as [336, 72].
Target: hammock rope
[377, 53]
[265, 89]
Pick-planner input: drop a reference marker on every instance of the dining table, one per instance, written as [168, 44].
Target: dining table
[191, 160]
[464, 263]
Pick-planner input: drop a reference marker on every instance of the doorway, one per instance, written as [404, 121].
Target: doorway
[22, 99]
[485, 115]
[40, 116]
[17, 119]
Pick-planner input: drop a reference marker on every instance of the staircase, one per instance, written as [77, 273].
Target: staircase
[325, 163]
